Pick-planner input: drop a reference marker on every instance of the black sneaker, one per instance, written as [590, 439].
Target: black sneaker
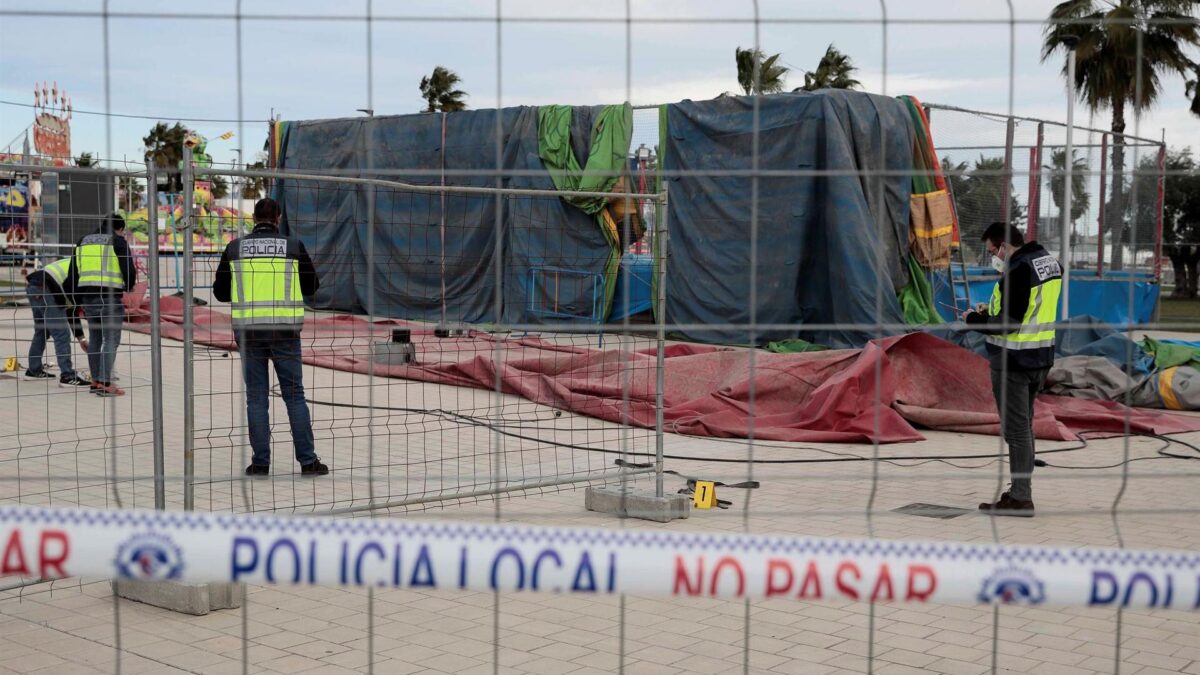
[1007, 506]
[72, 380]
[258, 470]
[313, 470]
[38, 375]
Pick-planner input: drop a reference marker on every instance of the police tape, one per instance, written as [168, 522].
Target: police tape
[148, 545]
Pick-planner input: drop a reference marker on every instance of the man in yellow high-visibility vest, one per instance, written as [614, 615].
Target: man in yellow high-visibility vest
[48, 290]
[266, 276]
[102, 272]
[1019, 322]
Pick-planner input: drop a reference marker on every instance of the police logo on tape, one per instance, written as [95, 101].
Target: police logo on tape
[1012, 586]
[149, 556]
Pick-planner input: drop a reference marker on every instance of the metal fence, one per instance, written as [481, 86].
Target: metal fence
[1009, 167]
[479, 451]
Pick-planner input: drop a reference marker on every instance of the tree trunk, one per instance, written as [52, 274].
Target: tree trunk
[1116, 204]
[1191, 260]
[1178, 258]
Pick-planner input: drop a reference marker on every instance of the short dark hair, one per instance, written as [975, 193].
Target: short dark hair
[116, 222]
[999, 233]
[267, 210]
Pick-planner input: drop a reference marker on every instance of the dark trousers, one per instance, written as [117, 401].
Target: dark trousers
[258, 347]
[49, 319]
[105, 314]
[1015, 392]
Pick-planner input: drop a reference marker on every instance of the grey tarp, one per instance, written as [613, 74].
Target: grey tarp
[831, 248]
[413, 253]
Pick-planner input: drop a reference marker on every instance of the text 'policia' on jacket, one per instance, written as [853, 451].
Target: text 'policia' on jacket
[1023, 310]
[265, 277]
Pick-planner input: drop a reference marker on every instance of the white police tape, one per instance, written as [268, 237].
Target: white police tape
[53, 543]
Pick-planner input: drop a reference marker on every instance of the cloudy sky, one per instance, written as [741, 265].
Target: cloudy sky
[185, 67]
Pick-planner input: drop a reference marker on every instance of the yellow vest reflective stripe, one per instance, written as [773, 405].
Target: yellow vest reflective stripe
[58, 271]
[96, 260]
[1037, 326]
[266, 292]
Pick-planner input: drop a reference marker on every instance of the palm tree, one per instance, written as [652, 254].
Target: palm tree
[439, 92]
[769, 73]
[254, 186]
[1057, 169]
[220, 188]
[1119, 44]
[835, 70]
[85, 160]
[131, 192]
[164, 145]
[979, 198]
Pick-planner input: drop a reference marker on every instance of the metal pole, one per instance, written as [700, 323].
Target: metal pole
[1069, 163]
[156, 385]
[1158, 213]
[1006, 189]
[1035, 184]
[660, 243]
[1103, 207]
[189, 410]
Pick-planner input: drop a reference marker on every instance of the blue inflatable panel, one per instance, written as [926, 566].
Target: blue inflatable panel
[633, 285]
[1121, 300]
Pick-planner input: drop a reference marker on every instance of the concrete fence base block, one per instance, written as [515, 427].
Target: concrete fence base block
[637, 503]
[185, 598]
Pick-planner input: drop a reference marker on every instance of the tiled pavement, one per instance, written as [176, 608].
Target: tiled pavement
[74, 625]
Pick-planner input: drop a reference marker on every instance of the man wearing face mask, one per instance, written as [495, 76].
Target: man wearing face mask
[1019, 324]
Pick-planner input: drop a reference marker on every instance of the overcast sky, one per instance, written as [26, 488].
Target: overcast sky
[177, 68]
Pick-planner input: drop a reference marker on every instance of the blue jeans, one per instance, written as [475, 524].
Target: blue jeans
[49, 319]
[105, 316]
[283, 348]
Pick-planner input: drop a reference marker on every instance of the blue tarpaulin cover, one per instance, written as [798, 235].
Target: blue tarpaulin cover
[831, 248]
[552, 250]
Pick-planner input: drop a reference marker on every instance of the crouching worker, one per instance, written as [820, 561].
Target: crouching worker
[54, 317]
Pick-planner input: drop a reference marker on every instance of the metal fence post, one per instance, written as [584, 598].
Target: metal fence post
[1158, 213]
[1035, 183]
[189, 409]
[660, 244]
[1006, 188]
[1103, 206]
[156, 385]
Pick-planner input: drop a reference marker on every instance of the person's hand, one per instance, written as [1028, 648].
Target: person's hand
[981, 307]
[83, 344]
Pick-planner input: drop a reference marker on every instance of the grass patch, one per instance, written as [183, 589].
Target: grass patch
[1181, 311]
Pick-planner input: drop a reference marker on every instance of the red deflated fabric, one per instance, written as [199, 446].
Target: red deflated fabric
[883, 391]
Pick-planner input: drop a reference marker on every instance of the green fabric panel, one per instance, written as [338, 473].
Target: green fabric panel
[917, 298]
[921, 184]
[612, 132]
[794, 346]
[1167, 355]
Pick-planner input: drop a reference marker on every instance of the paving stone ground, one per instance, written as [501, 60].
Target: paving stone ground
[59, 447]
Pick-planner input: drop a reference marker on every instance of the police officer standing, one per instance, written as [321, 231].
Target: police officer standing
[266, 276]
[53, 313]
[102, 272]
[1019, 323]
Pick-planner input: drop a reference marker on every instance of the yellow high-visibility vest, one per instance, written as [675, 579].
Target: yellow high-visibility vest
[265, 289]
[97, 262]
[1037, 325]
[59, 270]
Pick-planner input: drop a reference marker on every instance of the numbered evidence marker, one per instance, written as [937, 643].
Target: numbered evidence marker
[10, 364]
[705, 496]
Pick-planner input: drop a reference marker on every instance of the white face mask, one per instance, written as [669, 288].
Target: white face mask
[997, 264]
